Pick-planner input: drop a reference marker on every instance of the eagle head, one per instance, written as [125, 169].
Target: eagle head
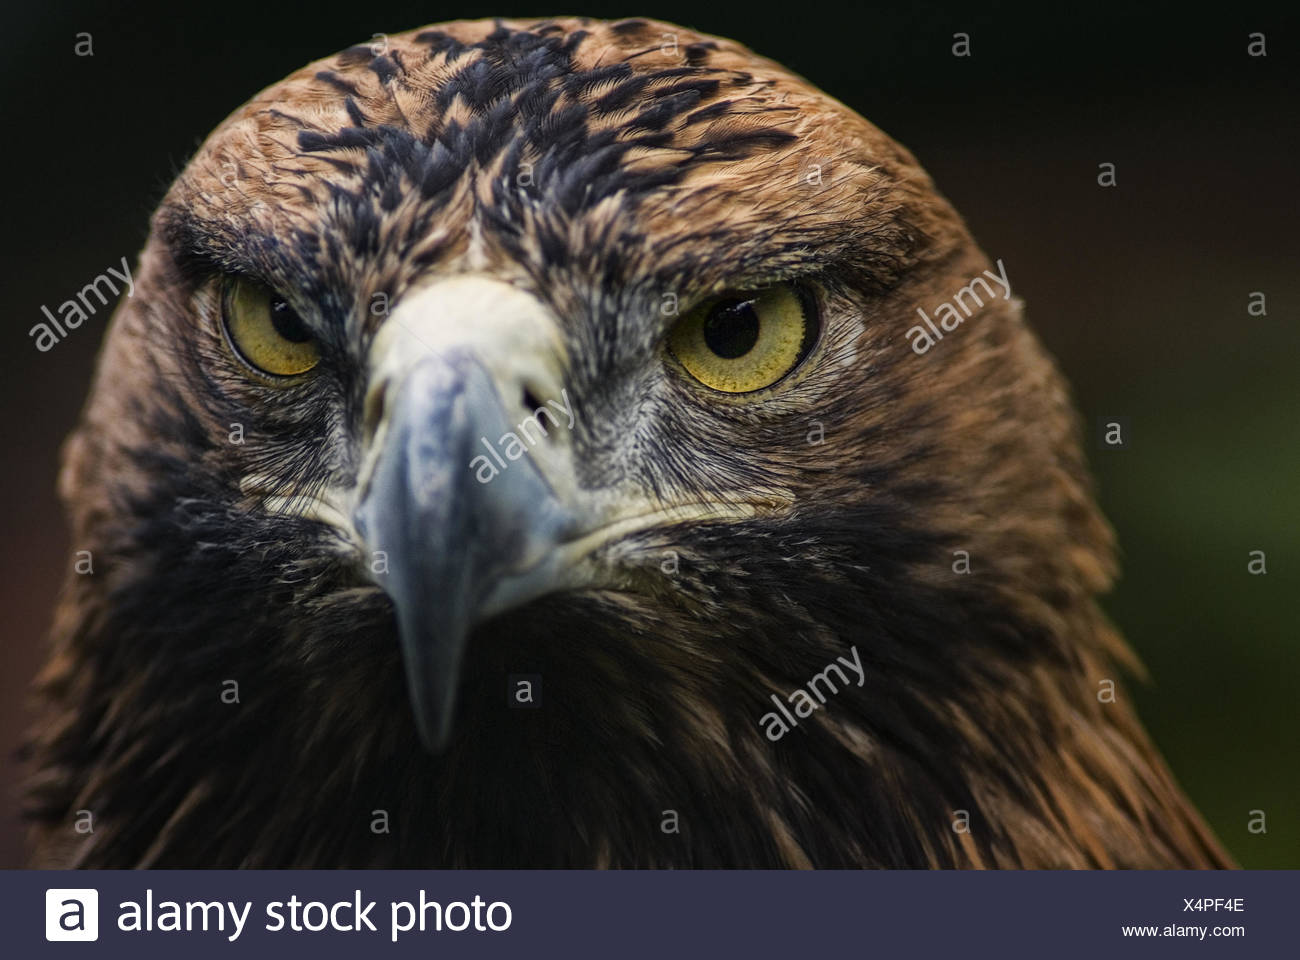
[523, 448]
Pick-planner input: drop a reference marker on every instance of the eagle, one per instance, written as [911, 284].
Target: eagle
[516, 451]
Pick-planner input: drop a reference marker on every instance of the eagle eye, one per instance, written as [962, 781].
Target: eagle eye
[745, 341]
[264, 331]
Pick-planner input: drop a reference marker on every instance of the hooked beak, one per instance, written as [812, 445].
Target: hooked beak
[460, 524]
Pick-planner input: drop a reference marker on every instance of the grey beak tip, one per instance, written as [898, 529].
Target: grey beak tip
[434, 734]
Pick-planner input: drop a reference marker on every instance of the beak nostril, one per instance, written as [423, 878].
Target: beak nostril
[531, 402]
[374, 412]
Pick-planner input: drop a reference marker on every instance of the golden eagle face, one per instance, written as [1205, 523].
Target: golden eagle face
[558, 375]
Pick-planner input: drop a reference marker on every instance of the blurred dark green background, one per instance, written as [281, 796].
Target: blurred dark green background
[1140, 291]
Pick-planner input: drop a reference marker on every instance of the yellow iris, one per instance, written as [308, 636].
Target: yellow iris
[743, 342]
[265, 331]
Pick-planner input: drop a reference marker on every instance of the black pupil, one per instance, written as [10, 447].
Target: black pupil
[731, 328]
[287, 324]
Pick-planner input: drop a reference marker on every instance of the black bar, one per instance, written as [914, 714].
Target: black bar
[670, 915]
